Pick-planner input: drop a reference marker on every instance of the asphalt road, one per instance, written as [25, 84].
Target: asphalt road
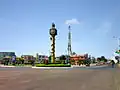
[104, 78]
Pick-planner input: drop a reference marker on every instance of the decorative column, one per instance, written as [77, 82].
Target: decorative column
[53, 33]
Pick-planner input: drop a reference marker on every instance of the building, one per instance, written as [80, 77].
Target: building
[57, 58]
[41, 58]
[4, 54]
[77, 58]
[27, 58]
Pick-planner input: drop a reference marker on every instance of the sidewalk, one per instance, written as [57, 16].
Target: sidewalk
[46, 67]
[13, 66]
[118, 65]
[6, 66]
[9, 66]
[83, 65]
[52, 67]
[72, 66]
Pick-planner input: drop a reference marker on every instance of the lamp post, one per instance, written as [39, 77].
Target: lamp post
[53, 33]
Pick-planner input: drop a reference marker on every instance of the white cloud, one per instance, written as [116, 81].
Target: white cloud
[72, 21]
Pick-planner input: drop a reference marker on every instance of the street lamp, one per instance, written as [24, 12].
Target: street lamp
[53, 33]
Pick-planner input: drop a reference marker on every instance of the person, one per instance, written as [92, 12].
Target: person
[118, 61]
[113, 63]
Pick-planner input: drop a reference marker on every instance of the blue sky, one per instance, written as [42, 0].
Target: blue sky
[25, 24]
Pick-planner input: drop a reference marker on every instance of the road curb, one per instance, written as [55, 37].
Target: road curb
[52, 67]
[7, 66]
[93, 66]
[2, 66]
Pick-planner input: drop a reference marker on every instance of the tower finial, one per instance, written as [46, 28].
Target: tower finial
[69, 27]
[53, 25]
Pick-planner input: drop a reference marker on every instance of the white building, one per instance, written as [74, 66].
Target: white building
[41, 58]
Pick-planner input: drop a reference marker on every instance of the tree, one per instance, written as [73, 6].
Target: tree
[68, 59]
[103, 58]
[6, 60]
[32, 62]
[49, 59]
[46, 62]
[81, 62]
[89, 59]
[19, 60]
[98, 59]
[93, 60]
[62, 58]
[72, 62]
[73, 53]
[117, 58]
[22, 60]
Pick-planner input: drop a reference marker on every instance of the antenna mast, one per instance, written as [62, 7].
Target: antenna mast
[69, 41]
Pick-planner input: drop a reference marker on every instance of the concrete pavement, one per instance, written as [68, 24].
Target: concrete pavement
[71, 79]
[73, 66]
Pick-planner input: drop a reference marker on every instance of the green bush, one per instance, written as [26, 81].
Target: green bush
[53, 65]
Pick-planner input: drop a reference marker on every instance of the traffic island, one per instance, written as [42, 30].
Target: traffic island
[53, 65]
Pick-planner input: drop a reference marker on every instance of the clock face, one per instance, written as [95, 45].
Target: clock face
[52, 31]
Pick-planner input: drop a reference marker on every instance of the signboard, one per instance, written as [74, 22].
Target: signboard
[7, 53]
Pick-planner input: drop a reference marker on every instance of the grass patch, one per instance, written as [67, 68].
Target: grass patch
[53, 65]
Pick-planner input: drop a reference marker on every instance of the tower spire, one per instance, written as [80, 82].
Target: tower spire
[69, 41]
